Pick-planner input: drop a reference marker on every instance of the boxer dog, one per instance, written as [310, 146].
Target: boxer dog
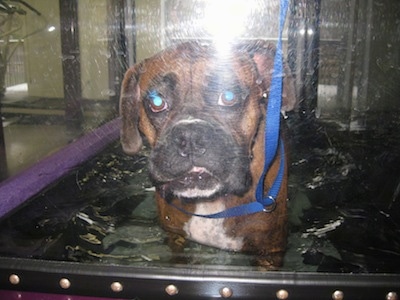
[202, 112]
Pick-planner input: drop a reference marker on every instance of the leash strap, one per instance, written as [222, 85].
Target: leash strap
[271, 140]
[272, 123]
[252, 207]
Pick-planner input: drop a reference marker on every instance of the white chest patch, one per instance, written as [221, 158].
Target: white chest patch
[211, 231]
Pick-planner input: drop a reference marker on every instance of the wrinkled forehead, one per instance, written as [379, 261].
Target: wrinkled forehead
[196, 64]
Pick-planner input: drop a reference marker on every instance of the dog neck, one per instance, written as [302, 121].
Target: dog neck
[211, 232]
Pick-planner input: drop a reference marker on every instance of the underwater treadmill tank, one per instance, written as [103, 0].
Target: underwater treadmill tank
[81, 192]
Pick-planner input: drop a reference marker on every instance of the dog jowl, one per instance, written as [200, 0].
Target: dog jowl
[203, 115]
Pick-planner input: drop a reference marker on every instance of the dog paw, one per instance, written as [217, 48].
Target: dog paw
[270, 262]
[176, 242]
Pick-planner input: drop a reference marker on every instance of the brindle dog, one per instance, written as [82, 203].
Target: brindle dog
[202, 112]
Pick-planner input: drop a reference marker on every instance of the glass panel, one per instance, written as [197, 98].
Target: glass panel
[63, 64]
[342, 142]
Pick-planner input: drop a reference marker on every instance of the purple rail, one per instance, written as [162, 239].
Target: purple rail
[17, 189]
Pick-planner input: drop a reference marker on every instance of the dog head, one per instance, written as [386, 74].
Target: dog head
[201, 111]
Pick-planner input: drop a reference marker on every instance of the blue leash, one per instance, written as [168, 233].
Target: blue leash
[272, 125]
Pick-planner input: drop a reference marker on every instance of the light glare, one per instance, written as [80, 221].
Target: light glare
[226, 19]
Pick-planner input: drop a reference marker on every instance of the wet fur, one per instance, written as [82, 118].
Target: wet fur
[226, 142]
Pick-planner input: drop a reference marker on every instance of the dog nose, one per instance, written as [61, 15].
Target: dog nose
[191, 139]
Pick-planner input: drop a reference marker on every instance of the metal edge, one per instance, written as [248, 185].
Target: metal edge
[117, 281]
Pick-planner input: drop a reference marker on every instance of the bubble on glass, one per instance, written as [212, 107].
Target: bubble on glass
[108, 92]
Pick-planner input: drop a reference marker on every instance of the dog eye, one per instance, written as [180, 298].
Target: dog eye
[227, 98]
[157, 103]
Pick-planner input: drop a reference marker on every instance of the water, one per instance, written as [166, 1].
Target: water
[344, 203]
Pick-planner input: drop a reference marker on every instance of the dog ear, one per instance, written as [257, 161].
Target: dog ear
[131, 139]
[263, 54]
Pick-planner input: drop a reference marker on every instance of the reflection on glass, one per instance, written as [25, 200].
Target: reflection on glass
[344, 143]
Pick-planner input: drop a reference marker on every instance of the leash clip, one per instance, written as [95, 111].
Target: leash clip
[270, 207]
